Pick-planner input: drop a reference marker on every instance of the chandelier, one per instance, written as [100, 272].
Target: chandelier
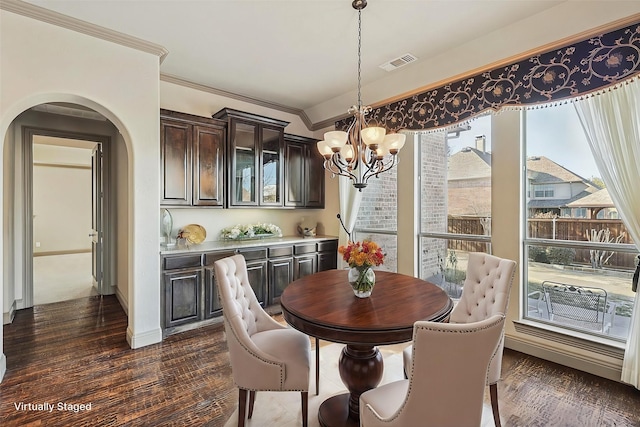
[361, 152]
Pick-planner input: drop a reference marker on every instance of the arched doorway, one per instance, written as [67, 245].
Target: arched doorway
[72, 121]
[61, 118]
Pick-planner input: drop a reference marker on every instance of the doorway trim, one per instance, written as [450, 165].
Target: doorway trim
[28, 132]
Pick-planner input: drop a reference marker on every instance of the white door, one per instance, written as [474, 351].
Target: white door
[97, 231]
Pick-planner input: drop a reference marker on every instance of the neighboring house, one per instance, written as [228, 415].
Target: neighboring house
[597, 205]
[551, 187]
[469, 183]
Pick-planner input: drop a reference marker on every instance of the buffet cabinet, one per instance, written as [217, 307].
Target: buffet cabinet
[237, 159]
[190, 292]
[304, 173]
[192, 153]
[255, 163]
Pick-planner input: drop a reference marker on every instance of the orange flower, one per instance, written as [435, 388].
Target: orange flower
[365, 254]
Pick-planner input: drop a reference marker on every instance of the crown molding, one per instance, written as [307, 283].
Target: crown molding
[73, 24]
[262, 103]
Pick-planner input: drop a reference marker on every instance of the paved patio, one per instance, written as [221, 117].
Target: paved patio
[616, 283]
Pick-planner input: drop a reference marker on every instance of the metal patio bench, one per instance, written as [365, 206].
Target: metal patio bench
[583, 307]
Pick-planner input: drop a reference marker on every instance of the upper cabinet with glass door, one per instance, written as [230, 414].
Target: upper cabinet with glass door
[255, 163]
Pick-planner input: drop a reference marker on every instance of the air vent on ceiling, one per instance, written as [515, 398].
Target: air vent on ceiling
[400, 61]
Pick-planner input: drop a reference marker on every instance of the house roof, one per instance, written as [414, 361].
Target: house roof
[557, 203]
[599, 199]
[469, 163]
[542, 170]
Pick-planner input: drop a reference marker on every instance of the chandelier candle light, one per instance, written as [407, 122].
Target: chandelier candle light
[361, 152]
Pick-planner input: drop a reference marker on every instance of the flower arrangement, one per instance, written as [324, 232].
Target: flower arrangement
[250, 231]
[362, 255]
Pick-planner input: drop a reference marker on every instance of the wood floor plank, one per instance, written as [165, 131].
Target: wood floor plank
[75, 352]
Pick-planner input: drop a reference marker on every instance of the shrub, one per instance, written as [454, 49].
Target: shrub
[538, 254]
[562, 256]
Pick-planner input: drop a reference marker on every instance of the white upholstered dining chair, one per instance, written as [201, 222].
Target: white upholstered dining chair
[485, 293]
[445, 387]
[265, 355]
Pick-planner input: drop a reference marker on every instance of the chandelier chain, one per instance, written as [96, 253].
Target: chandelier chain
[359, 58]
[361, 152]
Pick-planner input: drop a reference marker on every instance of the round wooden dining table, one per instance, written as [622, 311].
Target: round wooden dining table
[323, 305]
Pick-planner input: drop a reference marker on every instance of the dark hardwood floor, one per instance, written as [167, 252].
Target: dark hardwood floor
[75, 352]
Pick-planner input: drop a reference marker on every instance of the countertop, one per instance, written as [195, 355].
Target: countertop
[219, 245]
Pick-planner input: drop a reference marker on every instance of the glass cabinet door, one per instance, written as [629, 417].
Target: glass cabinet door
[244, 163]
[271, 167]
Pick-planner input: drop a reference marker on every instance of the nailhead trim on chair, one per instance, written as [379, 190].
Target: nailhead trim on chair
[413, 358]
[257, 356]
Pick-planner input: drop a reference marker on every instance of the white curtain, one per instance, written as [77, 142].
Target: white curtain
[611, 122]
[350, 199]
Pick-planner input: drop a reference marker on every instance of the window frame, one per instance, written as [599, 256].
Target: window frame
[527, 322]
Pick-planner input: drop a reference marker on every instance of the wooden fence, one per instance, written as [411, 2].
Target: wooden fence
[548, 228]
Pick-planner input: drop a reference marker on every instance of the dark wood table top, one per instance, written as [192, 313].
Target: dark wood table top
[323, 305]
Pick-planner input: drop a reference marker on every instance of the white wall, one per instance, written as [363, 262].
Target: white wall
[61, 198]
[44, 63]
[8, 267]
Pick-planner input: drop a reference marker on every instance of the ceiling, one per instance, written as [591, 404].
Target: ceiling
[302, 54]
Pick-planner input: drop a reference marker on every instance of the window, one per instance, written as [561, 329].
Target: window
[579, 258]
[543, 191]
[455, 201]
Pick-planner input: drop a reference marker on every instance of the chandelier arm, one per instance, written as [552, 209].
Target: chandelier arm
[382, 166]
[336, 168]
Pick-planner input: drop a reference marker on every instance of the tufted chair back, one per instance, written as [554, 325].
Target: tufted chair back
[486, 289]
[486, 293]
[443, 376]
[264, 355]
[237, 296]
[244, 318]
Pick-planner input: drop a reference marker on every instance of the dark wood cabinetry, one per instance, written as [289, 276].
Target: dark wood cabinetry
[192, 153]
[304, 173]
[256, 260]
[327, 255]
[182, 290]
[190, 290]
[212, 306]
[182, 297]
[280, 271]
[304, 260]
[255, 161]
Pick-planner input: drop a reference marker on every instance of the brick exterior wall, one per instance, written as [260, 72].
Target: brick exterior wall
[433, 209]
[379, 211]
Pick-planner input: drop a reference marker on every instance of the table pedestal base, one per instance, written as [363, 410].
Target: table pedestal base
[361, 369]
[334, 412]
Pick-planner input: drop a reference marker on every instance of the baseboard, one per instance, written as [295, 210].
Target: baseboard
[143, 339]
[3, 366]
[612, 371]
[10, 315]
[122, 300]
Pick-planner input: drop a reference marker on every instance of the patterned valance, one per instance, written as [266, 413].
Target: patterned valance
[568, 72]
